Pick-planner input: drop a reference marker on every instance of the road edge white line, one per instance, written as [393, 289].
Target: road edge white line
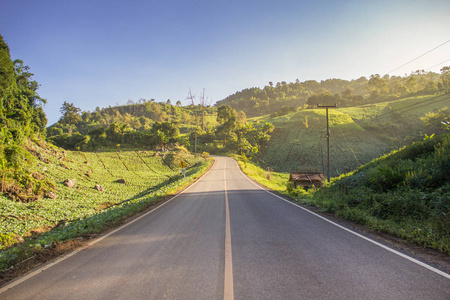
[93, 242]
[228, 293]
[418, 262]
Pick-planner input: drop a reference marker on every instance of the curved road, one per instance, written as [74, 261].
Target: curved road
[225, 237]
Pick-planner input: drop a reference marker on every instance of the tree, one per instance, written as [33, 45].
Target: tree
[242, 118]
[204, 102]
[227, 117]
[377, 86]
[326, 98]
[6, 68]
[445, 79]
[70, 115]
[165, 132]
[411, 84]
[192, 104]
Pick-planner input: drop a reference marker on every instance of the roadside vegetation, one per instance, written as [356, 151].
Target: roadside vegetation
[283, 98]
[104, 189]
[51, 196]
[358, 134]
[91, 170]
[405, 193]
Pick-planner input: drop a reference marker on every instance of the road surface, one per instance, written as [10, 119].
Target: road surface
[225, 237]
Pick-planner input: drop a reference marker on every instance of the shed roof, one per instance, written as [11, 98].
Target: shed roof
[306, 176]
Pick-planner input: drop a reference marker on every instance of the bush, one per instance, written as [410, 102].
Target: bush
[7, 240]
[296, 192]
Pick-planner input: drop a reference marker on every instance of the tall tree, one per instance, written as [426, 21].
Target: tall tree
[445, 79]
[192, 104]
[204, 102]
[70, 115]
[411, 84]
[21, 112]
[227, 117]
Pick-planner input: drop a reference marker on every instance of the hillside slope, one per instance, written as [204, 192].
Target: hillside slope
[108, 187]
[275, 98]
[358, 134]
[405, 193]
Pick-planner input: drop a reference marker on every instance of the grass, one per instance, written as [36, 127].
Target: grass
[357, 134]
[277, 181]
[28, 228]
[405, 193]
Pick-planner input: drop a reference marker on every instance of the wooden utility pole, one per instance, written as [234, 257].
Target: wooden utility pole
[328, 137]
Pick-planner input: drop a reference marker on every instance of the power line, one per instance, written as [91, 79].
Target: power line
[349, 146]
[417, 103]
[438, 64]
[419, 57]
[426, 104]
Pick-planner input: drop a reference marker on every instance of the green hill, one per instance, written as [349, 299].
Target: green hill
[276, 98]
[51, 198]
[358, 134]
[135, 125]
[130, 181]
[405, 193]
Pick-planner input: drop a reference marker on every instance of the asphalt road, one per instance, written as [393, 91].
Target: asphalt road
[225, 236]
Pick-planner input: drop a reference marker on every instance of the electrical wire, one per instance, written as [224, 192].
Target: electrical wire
[438, 64]
[426, 104]
[401, 110]
[349, 146]
[418, 57]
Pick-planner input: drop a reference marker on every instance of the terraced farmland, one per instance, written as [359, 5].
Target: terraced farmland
[358, 134]
[83, 209]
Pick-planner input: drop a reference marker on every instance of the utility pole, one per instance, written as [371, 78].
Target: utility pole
[195, 143]
[328, 137]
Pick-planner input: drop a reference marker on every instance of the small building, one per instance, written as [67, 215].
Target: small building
[307, 179]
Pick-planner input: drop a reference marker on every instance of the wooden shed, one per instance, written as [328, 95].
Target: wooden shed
[307, 179]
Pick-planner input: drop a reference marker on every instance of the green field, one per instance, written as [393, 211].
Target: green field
[82, 209]
[357, 134]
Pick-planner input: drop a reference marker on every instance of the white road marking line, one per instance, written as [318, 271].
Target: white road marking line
[228, 293]
[95, 241]
[426, 266]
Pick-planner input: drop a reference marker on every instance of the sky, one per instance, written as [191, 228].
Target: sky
[99, 53]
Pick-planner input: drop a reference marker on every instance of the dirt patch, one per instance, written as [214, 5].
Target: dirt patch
[38, 231]
[105, 205]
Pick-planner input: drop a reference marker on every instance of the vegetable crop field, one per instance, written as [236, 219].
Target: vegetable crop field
[357, 134]
[83, 209]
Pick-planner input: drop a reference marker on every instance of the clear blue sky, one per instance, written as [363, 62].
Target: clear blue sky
[104, 52]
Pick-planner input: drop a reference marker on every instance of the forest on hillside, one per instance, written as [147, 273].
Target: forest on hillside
[142, 124]
[282, 97]
[22, 119]
[150, 125]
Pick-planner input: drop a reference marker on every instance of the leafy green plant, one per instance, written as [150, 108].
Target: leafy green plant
[404, 193]
[7, 240]
[81, 210]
